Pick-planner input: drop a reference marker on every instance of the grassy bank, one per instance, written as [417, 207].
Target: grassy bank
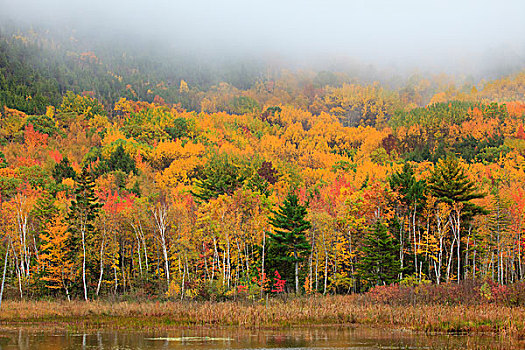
[331, 310]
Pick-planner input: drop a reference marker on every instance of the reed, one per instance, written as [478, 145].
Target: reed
[276, 313]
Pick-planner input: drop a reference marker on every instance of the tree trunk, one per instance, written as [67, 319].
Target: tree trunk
[262, 263]
[82, 229]
[101, 266]
[3, 276]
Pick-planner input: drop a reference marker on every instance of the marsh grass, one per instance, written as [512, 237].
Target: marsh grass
[277, 313]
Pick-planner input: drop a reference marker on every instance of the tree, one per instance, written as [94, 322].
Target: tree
[56, 266]
[63, 170]
[449, 184]
[288, 241]
[82, 214]
[3, 162]
[379, 264]
[121, 160]
[220, 176]
[411, 196]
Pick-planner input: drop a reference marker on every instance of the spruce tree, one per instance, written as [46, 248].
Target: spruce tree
[411, 200]
[379, 263]
[288, 242]
[3, 162]
[121, 160]
[219, 176]
[63, 170]
[82, 214]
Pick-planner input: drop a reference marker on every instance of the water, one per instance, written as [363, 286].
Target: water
[311, 338]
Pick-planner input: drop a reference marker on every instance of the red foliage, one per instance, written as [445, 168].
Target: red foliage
[467, 292]
[34, 138]
[262, 281]
[26, 161]
[279, 283]
[159, 100]
[55, 154]
[520, 134]
[115, 203]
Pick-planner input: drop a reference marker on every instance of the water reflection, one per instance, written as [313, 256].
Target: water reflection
[205, 338]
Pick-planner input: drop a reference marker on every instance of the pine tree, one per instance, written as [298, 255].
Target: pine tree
[449, 184]
[121, 160]
[63, 170]
[82, 214]
[3, 162]
[411, 201]
[220, 176]
[288, 242]
[379, 264]
[405, 183]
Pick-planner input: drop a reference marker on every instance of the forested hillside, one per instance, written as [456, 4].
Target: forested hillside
[118, 178]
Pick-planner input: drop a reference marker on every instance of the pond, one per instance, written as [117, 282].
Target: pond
[204, 338]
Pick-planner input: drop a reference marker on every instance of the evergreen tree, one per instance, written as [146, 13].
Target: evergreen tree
[3, 162]
[288, 242]
[499, 222]
[379, 263]
[219, 176]
[82, 214]
[449, 184]
[411, 201]
[405, 183]
[63, 170]
[121, 160]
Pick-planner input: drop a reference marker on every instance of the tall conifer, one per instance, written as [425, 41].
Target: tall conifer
[288, 240]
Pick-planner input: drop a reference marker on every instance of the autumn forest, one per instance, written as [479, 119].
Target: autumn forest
[119, 179]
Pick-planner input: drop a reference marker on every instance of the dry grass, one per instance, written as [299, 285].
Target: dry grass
[343, 310]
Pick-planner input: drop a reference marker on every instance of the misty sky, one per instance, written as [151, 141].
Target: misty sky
[376, 31]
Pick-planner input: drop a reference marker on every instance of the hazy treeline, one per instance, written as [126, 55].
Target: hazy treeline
[163, 201]
[126, 171]
[41, 63]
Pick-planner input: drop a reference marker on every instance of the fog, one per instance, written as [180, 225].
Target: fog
[455, 36]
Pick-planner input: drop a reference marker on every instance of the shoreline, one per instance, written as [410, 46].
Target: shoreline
[329, 311]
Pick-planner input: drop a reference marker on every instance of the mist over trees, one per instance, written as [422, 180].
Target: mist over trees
[135, 164]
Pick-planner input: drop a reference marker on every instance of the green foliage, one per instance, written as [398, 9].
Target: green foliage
[3, 162]
[434, 116]
[24, 84]
[379, 263]
[121, 160]
[179, 129]
[136, 189]
[405, 183]
[288, 244]
[44, 211]
[86, 106]
[118, 161]
[449, 184]
[34, 175]
[9, 186]
[81, 218]
[244, 105]
[220, 175]
[84, 209]
[63, 170]
[42, 123]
